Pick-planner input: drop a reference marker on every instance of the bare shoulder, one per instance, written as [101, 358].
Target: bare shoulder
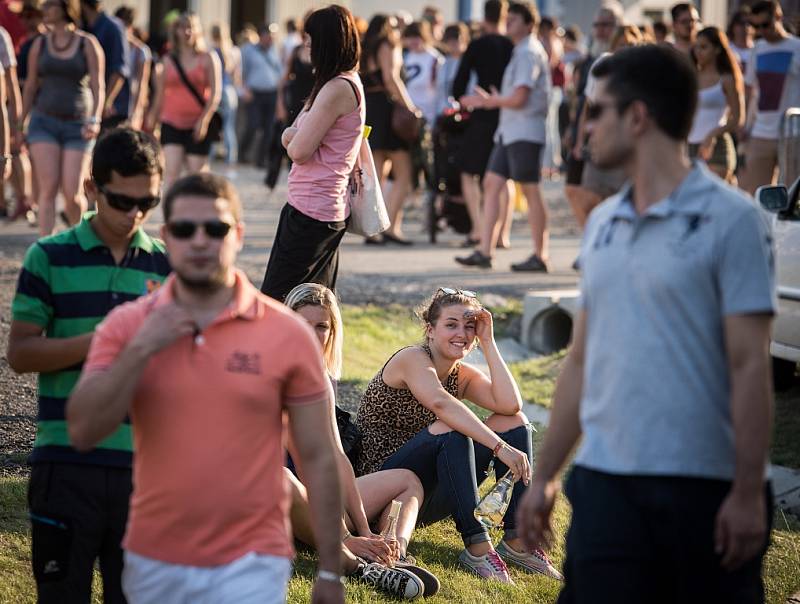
[337, 94]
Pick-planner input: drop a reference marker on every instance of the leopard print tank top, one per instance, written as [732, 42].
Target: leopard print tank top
[389, 417]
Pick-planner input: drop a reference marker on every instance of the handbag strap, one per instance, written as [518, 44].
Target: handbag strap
[185, 79]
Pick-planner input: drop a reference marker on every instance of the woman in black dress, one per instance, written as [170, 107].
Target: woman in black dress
[381, 68]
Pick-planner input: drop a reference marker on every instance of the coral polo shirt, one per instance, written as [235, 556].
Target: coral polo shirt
[207, 424]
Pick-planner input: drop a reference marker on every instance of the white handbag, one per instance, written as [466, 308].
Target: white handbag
[368, 215]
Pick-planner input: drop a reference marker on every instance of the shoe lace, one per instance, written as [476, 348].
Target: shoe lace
[539, 553]
[385, 578]
[496, 562]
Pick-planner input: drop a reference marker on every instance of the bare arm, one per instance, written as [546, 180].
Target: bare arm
[741, 522]
[536, 507]
[5, 128]
[29, 351]
[735, 117]
[154, 114]
[317, 454]
[214, 73]
[390, 63]
[96, 60]
[140, 101]
[14, 97]
[335, 99]
[498, 392]
[486, 100]
[32, 81]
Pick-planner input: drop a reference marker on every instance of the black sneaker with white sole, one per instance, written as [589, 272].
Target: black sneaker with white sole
[398, 582]
[429, 580]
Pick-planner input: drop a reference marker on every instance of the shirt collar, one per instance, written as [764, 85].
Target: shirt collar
[690, 197]
[243, 306]
[88, 239]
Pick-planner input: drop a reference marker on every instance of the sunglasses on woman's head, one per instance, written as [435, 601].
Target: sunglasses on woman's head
[125, 203]
[449, 291]
[185, 229]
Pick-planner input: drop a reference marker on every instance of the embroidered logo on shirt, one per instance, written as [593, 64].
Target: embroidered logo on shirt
[244, 362]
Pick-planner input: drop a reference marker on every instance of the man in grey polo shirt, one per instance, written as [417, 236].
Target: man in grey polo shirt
[668, 377]
[261, 72]
[517, 154]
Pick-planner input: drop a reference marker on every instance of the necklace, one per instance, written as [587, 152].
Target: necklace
[58, 48]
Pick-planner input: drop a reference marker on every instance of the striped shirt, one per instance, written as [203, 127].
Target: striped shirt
[68, 283]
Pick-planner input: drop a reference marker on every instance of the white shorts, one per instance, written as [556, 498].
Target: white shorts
[253, 578]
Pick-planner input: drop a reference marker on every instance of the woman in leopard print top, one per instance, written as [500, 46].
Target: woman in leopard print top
[411, 416]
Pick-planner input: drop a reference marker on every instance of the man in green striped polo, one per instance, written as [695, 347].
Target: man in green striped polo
[68, 283]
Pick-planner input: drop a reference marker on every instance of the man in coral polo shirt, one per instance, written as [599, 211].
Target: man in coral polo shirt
[206, 367]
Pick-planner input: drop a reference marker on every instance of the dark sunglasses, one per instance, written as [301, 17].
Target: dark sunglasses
[125, 203]
[449, 291]
[764, 25]
[185, 229]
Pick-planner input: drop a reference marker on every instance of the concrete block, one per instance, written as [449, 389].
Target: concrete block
[786, 486]
[547, 319]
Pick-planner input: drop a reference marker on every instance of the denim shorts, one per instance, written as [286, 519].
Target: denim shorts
[44, 128]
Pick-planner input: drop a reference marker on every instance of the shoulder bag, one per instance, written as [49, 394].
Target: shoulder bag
[368, 215]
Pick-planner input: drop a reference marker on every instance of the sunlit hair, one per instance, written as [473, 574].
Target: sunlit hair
[314, 294]
[176, 41]
[379, 31]
[221, 38]
[726, 62]
[626, 35]
[430, 311]
[335, 46]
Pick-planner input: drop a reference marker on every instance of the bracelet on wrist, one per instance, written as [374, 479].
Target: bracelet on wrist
[326, 575]
[500, 444]
[347, 536]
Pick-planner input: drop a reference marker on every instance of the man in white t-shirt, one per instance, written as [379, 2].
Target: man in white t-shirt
[421, 62]
[773, 73]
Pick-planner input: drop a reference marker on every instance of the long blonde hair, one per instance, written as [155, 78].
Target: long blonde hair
[314, 294]
[197, 26]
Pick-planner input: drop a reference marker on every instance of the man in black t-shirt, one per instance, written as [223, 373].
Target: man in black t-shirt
[487, 57]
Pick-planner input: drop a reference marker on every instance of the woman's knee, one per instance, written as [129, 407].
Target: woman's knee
[413, 485]
[504, 423]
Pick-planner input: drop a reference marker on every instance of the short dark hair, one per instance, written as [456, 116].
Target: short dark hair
[127, 152]
[494, 10]
[126, 14]
[680, 8]
[770, 7]
[547, 22]
[573, 32]
[661, 77]
[203, 184]
[455, 31]
[526, 10]
[660, 27]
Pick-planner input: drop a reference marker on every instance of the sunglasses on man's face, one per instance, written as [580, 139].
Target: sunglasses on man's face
[761, 24]
[125, 203]
[449, 291]
[185, 229]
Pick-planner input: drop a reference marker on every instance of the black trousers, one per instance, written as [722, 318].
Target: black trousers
[78, 514]
[637, 539]
[259, 117]
[305, 250]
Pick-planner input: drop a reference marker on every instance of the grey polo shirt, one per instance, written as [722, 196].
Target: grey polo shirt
[528, 67]
[656, 288]
[261, 68]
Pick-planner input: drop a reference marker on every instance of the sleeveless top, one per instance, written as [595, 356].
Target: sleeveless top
[180, 108]
[317, 188]
[63, 83]
[389, 417]
[711, 108]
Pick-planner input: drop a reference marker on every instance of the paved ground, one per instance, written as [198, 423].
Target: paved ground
[368, 274]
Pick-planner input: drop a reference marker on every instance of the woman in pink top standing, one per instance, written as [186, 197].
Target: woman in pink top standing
[184, 120]
[323, 143]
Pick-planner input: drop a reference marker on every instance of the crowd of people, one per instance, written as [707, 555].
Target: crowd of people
[167, 381]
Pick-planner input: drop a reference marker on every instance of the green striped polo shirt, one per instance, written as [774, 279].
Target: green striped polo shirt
[68, 284]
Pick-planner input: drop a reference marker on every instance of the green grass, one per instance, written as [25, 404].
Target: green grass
[372, 335]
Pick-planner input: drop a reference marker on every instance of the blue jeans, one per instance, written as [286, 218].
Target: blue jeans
[227, 108]
[450, 467]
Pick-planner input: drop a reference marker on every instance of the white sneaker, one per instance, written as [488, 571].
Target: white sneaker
[488, 566]
[536, 562]
[395, 581]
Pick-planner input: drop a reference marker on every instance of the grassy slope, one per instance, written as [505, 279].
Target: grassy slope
[372, 335]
